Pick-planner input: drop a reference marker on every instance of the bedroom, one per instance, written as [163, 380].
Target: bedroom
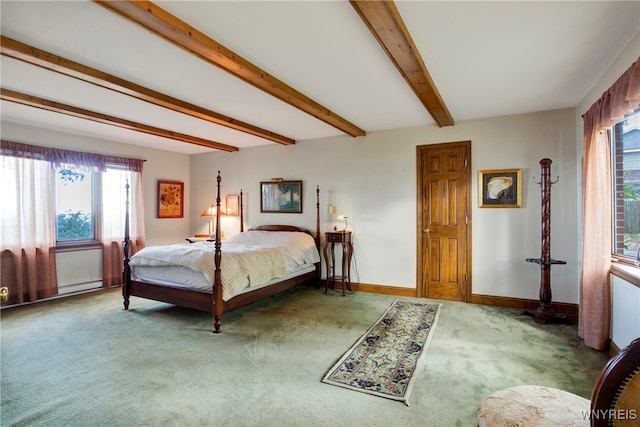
[372, 179]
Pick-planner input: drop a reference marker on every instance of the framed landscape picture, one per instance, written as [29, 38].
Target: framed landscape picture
[281, 197]
[170, 199]
[500, 188]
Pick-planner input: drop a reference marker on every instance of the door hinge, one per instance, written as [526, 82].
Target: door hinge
[465, 277]
[465, 163]
[466, 220]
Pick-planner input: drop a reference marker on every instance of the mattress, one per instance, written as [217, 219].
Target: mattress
[182, 277]
[249, 260]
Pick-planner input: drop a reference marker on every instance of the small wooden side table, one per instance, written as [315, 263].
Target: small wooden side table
[344, 238]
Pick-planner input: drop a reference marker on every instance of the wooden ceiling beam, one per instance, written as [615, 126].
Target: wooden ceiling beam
[57, 107]
[34, 56]
[386, 25]
[162, 23]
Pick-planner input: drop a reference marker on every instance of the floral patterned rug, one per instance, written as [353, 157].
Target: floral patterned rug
[385, 360]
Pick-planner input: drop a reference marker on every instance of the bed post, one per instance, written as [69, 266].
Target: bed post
[318, 239]
[241, 213]
[317, 215]
[217, 281]
[126, 271]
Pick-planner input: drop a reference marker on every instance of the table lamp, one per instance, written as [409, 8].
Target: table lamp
[211, 213]
[345, 221]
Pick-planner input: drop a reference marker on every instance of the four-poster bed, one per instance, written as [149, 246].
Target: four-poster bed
[295, 250]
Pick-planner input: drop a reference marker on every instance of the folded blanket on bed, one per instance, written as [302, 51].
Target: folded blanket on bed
[238, 263]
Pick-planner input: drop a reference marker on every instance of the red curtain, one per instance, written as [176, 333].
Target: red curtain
[622, 98]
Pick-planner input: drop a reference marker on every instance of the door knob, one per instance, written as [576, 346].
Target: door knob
[426, 230]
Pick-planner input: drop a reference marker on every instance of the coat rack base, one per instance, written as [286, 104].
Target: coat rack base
[545, 313]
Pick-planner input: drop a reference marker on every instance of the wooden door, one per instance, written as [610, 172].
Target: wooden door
[444, 230]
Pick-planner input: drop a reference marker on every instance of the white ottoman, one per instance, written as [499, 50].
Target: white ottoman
[531, 405]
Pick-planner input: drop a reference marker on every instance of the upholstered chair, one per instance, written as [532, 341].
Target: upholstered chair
[615, 400]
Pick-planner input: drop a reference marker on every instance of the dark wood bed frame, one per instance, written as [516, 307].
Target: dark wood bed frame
[212, 302]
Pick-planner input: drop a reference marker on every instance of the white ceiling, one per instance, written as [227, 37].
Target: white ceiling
[486, 59]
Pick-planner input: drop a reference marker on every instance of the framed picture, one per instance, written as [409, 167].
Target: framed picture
[232, 202]
[281, 197]
[500, 188]
[170, 199]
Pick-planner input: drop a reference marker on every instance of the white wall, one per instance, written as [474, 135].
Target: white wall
[372, 179]
[623, 61]
[625, 311]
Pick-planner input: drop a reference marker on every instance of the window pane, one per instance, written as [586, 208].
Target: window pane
[74, 215]
[626, 170]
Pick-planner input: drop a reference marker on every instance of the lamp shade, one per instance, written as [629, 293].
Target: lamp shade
[210, 211]
[344, 217]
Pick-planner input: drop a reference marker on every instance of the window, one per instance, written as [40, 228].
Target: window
[83, 198]
[55, 198]
[625, 144]
[77, 194]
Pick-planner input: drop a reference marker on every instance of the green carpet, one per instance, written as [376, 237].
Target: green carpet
[83, 361]
[385, 360]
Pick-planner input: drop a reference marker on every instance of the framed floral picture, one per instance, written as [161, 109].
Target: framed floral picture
[500, 188]
[170, 199]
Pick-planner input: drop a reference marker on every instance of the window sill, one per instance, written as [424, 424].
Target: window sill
[78, 247]
[627, 272]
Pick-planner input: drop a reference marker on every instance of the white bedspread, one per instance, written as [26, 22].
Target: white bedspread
[248, 259]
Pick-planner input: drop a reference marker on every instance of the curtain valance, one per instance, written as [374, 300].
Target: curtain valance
[59, 156]
[622, 98]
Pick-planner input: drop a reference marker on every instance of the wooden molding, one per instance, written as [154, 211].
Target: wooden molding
[34, 56]
[385, 23]
[385, 290]
[57, 107]
[570, 310]
[567, 309]
[376, 289]
[613, 348]
[163, 24]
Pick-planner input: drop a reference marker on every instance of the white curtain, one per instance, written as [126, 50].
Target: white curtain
[114, 182]
[27, 229]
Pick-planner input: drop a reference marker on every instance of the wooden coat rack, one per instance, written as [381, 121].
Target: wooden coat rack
[544, 313]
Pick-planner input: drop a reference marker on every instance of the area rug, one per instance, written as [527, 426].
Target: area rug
[385, 360]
